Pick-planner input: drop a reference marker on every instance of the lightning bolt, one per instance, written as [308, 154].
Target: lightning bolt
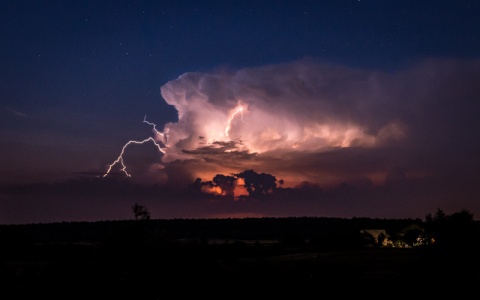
[163, 135]
[239, 110]
[119, 159]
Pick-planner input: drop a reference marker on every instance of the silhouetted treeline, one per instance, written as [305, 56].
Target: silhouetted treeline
[441, 231]
[146, 258]
[234, 229]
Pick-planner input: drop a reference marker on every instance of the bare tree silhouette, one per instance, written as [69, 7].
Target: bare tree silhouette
[140, 212]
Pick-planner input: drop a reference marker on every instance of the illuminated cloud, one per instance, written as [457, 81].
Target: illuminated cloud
[292, 107]
[307, 121]
[264, 117]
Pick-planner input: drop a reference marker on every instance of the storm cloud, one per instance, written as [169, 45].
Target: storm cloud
[339, 142]
[327, 124]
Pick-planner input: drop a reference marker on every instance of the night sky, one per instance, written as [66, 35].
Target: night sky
[352, 108]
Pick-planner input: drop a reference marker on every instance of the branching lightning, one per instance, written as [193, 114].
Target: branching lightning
[152, 124]
[238, 110]
[163, 135]
[119, 159]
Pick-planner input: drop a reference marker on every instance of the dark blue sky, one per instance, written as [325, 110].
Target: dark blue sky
[78, 78]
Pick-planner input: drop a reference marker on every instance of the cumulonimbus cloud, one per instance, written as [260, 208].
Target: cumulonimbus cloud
[297, 106]
[289, 115]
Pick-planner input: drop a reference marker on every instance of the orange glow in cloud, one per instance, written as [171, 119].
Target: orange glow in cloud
[240, 189]
[216, 190]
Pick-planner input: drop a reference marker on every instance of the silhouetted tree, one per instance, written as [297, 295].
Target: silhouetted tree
[411, 233]
[452, 231]
[380, 238]
[140, 212]
[440, 216]
[455, 245]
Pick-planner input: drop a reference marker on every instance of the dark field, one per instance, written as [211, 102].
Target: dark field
[158, 259]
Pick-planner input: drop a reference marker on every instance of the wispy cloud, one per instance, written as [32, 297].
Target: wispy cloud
[17, 113]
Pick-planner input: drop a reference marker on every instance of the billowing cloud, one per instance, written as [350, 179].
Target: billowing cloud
[310, 121]
[297, 106]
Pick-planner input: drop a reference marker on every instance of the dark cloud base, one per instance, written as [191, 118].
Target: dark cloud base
[97, 199]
